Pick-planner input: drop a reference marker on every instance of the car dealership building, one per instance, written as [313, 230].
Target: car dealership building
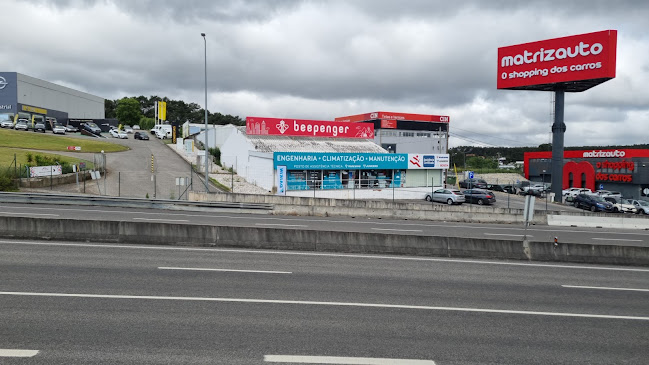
[293, 156]
[623, 170]
[23, 96]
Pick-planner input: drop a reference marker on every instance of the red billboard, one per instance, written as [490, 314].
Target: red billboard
[388, 124]
[394, 116]
[256, 126]
[576, 62]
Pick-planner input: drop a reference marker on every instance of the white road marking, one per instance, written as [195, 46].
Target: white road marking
[503, 234]
[333, 304]
[397, 230]
[33, 214]
[603, 288]
[161, 219]
[224, 270]
[280, 225]
[357, 256]
[616, 239]
[17, 353]
[343, 360]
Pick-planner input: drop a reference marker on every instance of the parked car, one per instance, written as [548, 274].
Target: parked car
[58, 129]
[573, 192]
[39, 127]
[605, 193]
[162, 133]
[641, 206]
[92, 128]
[620, 205]
[141, 135]
[510, 189]
[21, 124]
[71, 128]
[116, 133]
[448, 196]
[136, 127]
[7, 123]
[479, 196]
[473, 184]
[592, 202]
[127, 129]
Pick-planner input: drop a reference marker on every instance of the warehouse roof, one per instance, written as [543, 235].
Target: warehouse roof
[313, 144]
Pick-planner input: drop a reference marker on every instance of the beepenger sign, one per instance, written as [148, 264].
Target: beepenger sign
[307, 128]
[584, 57]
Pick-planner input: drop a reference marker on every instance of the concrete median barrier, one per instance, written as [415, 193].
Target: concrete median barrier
[312, 240]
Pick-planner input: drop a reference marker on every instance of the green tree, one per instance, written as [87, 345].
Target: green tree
[128, 111]
[146, 123]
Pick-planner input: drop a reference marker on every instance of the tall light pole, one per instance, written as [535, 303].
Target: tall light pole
[207, 175]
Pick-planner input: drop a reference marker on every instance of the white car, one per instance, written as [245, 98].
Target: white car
[128, 129]
[58, 129]
[162, 133]
[641, 206]
[118, 133]
[621, 205]
[573, 192]
[7, 124]
[605, 193]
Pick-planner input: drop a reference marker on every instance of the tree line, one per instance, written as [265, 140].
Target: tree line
[141, 110]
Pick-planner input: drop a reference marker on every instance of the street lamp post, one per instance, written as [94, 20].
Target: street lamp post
[207, 175]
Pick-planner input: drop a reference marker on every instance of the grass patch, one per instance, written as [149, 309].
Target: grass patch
[219, 185]
[49, 142]
[7, 157]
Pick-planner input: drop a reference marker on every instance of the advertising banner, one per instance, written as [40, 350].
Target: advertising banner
[39, 171]
[585, 57]
[8, 92]
[358, 161]
[394, 116]
[388, 124]
[282, 180]
[256, 126]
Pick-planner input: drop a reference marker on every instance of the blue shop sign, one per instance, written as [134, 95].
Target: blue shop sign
[340, 161]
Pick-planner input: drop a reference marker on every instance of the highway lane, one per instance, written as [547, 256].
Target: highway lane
[150, 305]
[596, 236]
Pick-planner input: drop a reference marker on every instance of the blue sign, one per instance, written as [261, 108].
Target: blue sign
[340, 161]
[601, 186]
[470, 174]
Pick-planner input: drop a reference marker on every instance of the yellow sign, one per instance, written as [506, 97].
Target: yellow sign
[34, 109]
[162, 110]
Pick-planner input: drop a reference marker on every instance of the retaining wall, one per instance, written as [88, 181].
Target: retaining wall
[309, 240]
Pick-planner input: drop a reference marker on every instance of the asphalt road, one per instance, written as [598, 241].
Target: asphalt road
[66, 303]
[595, 236]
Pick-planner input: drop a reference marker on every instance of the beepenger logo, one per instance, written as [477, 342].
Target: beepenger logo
[282, 126]
[374, 115]
[601, 153]
[3, 83]
[545, 55]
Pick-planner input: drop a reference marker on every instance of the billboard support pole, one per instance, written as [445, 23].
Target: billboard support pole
[558, 130]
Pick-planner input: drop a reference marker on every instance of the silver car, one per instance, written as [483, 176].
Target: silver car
[448, 196]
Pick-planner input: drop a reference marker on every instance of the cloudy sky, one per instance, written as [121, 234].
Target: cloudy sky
[324, 59]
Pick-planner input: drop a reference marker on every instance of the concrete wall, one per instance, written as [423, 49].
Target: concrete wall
[322, 241]
[308, 206]
[44, 182]
[622, 221]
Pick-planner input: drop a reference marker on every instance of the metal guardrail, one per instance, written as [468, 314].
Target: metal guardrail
[107, 201]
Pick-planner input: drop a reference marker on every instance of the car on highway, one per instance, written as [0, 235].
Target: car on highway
[448, 196]
[39, 127]
[641, 206]
[58, 129]
[592, 202]
[479, 196]
[620, 205]
[21, 124]
[141, 135]
[474, 183]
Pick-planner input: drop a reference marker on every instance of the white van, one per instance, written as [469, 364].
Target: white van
[162, 131]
